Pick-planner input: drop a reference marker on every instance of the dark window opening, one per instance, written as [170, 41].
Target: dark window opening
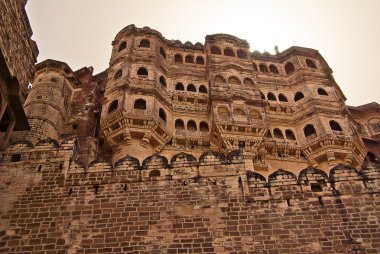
[144, 43]
[322, 91]
[122, 46]
[163, 81]
[70, 191]
[242, 54]
[309, 130]
[142, 71]
[162, 114]
[179, 86]
[118, 74]
[162, 52]
[215, 50]
[154, 173]
[335, 126]
[229, 52]
[16, 157]
[271, 96]
[39, 168]
[125, 187]
[241, 144]
[178, 58]
[203, 126]
[263, 68]
[320, 199]
[289, 67]
[191, 88]
[310, 63]
[298, 96]
[371, 157]
[254, 66]
[202, 89]
[199, 60]
[189, 59]
[290, 135]
[140, 104]
[113, 106]
[179, 124]
[316, 187]
[191, 126]
[96, 189]
[61, 165]
[55, 80]
[282, 98]
[262, 96]
[273, 68]
[278, 133]
[74, 126]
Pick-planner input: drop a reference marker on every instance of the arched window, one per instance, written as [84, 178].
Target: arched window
[191, 126]
[122, 46]
[178, 58]
[298, 96]
[322, 91]
[144, 43]
[263, 68]
[179, 87]
[113, 106]
[254, 114]
[234, 81]
[203, 127]
[242, 54]
[248, 82]
[162, 114]
[16, 157]
[163, 81]
[335, 126]
[202, 89]
[142, 72]
[215, 50]
[278, 133]
[118, 74]
[229, 52]
[223, 112]
[140, 104]
[290, 135]
[191, 88]
[199, 60]
[254, 66]
[289, 67]
[179, 124]
[282, 97]
[273, 68]
[271, 97]
[219, 80]
[162, 52]
[310, 63]
[262, 96]
[239, 112]
[309, 130]
[189, 59]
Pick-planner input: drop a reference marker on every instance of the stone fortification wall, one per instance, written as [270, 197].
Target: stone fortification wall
[211, 205]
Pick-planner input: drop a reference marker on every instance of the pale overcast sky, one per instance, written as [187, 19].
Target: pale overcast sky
[345, 32]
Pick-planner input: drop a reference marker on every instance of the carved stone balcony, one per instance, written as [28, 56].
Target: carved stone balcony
[334, 147]
[120, 127]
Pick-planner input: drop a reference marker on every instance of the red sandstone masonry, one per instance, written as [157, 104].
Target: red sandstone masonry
[121, 209]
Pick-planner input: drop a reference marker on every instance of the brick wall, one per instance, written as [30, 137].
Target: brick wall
[52, 205]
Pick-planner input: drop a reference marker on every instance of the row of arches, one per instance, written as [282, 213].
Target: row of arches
[190, 88]
[232, 80]
[191, 125]
[178, 58]
[278, 134]
[289, 67]
[224, 113]
[240, 53]
[309, 129]
[298, 96]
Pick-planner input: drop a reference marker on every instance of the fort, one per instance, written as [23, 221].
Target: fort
[182, 148]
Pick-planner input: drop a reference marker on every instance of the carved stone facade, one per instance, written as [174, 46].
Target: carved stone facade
[182, 148]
